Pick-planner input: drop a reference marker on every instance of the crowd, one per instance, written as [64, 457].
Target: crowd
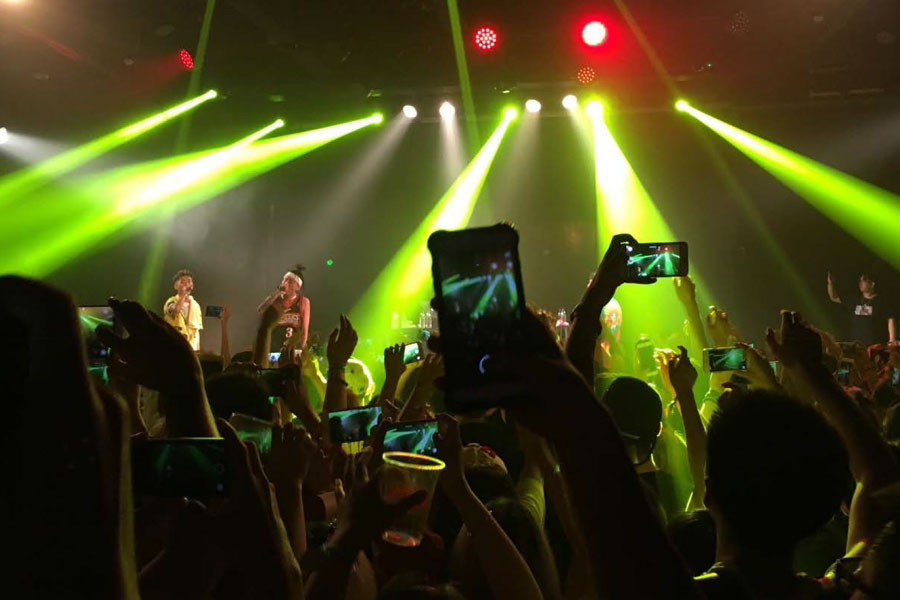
[770, 483]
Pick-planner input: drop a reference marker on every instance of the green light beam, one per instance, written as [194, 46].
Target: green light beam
[402, 285]
[462, 68]
[624, 206]
[869, 213]
[17, 184]
[107, 205]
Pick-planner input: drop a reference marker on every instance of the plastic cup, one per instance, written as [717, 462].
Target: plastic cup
[404, 474]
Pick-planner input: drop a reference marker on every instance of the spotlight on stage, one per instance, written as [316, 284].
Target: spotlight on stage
[410, 111]
[570, 102]
[594, 108]
[681, 105]
[447, 110]
[533, 106]
[510, 113]
[585, 75]
[594, 33]
[186, 59]
[485, 38]
[4, 135]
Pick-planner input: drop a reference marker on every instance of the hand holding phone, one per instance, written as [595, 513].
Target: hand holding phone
[718, 360]
[214, 311]
[412, 353]
[180, 467]
[413, 436]
[353, 425]
[654, 260]
[480, 302]
[91, 317]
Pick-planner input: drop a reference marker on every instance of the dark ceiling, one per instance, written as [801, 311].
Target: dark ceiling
[67, 64]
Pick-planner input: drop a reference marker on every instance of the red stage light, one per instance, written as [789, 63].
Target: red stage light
[186, 59]
[594, 33]
[485, 38]
[585, 75]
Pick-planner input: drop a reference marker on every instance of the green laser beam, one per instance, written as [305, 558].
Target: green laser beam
[106, 205]
[17, 184]
[462, 69]
[401, 286]
[869, 213]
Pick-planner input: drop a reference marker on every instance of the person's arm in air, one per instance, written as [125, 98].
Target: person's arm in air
[686, 292]
[288, 462]
[892, 330]
[507, 573]
[586, 326]
[225, 347]
[394, 368]
[416, 407]
[304, 323]
[341, 344]
[832, 291]
[683, 376]
[267, 323]
[871, 461]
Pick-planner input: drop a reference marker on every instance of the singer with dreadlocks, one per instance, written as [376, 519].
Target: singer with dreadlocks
[293, 311]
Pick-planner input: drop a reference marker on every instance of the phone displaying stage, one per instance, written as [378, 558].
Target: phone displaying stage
[658, 259]
[214, 311]
[180, 467]
[274, 357]
[412, 353]
[91, 317]
[252, 429]
[480, 303]
[725, 359]
[275, 380]
[415, 436]
[644, 350]
[353, 426]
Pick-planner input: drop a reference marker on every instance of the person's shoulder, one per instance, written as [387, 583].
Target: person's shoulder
[171, 299]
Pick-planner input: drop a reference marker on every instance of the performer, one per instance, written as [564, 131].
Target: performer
[181, 311]
[868, 313]
[293, 321]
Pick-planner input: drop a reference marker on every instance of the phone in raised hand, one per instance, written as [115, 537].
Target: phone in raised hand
[480, 303]
[732, 358]
[656, 259]
[179, 467]
[412, 353]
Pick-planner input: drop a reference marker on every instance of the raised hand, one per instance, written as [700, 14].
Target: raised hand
[291, 455]
[450, 448]
[685, 290]
[720, 328]
[759, 371]
[798, 345]
[154, 354]
[682, 373]
[258, 536]
[341, 344]
[394, 368]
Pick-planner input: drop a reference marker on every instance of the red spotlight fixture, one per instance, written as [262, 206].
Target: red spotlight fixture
[585, 75]
[186, 59]
[594, 33]
[485, 38]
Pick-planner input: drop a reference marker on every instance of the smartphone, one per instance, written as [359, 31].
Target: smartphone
[414, 436]
[724, 359]
[658, 259]
[774, 365]
[275, 380]
[91, 317]
[644, 350]
[214, 311]
[353, 425]
[252, 429]
[895, 376]
[274, 357]
[179, 467]
[480, 302]
[412, 353]
[844, 372]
